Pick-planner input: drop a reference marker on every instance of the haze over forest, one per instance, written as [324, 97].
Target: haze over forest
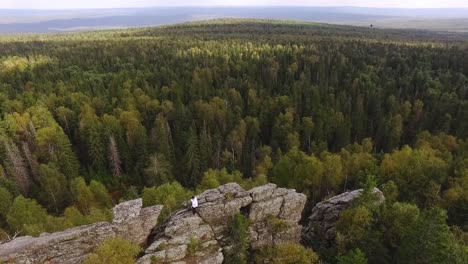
[47, 21]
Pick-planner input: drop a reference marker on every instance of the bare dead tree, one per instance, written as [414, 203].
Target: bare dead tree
[158, 169]
[10, 238]
[18, 167]
[114, 158]
[32, 162]
[154, 165]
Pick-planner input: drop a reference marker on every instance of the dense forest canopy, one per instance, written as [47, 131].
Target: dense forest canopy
[92, 118]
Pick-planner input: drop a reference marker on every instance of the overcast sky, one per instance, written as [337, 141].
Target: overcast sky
[68, 4]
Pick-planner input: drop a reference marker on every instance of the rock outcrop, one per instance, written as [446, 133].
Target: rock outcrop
[321, 227]
[207, 228]
[270, 203]
[184, 237]
[131, 222]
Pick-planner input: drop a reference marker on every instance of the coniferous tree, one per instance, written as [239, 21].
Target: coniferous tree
[54, 192]
[193, 157]
[158, 170]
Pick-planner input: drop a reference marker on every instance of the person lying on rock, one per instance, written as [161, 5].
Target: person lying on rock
[194, 201]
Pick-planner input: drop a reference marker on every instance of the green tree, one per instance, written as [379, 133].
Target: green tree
[192, 157]
[352, 227]
[170, 195]
[238, 235]
[398, 220]
[334, 174]
[163, 136]
[96, 145]
[212, 179]
[6, 201]
[299, 171]
[27, 216]
[283, 127]
[307, 129]
[99, 215]
[430, 241]
[101, 195]
[416, 172]
[54, 146]
[83, 197]
[54, 192]
[355, 256]
[73, 217]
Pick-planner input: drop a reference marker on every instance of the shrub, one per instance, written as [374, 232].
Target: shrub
[287, 253]
[115, 251]
[155, 260]
[276, 225]
[193, 246]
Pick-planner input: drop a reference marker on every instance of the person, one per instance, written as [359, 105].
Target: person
[194, 201]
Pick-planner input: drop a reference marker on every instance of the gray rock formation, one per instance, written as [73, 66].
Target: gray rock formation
[178, 233]
[321, 227]
[209, 225]
[73, 245]
[275, 213]
[183, 238]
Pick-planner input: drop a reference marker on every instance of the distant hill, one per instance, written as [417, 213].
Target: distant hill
[267, 30]
[41, 21]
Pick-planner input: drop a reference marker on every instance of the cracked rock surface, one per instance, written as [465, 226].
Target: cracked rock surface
[210, 223]
[183, 238]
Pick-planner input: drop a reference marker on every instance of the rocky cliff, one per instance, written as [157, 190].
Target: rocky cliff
[169, 241]
[209, 224]
[274, 214]
[72, 245]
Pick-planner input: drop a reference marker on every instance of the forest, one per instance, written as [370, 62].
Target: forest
[90, 119]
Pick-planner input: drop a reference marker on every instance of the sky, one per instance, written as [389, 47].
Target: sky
[67, 4]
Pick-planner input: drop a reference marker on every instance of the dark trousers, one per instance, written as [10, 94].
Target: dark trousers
[193, 210]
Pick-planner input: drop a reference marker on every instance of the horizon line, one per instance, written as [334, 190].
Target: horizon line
[234, 6]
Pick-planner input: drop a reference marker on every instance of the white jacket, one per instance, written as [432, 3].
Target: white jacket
[194, 202]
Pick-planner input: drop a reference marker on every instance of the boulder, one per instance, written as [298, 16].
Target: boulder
[133, 222]
[321, 224]
[127, 210]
